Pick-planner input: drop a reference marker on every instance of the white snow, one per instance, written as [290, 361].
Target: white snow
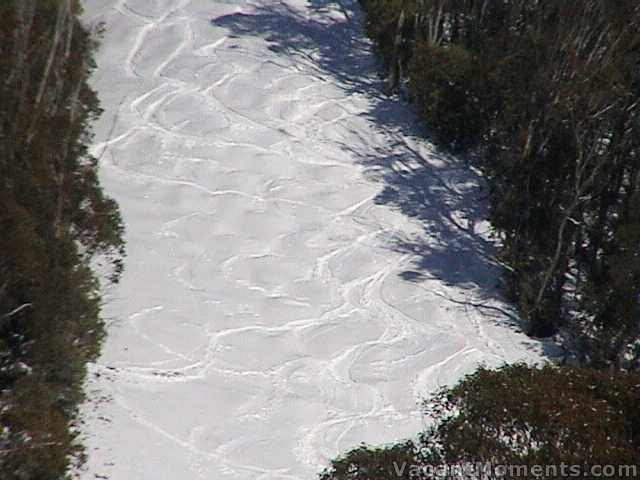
[301, 267]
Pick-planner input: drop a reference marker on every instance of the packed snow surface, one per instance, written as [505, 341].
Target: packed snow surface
[302, 268]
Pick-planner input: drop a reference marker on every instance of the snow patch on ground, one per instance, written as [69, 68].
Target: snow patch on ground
[302, 267]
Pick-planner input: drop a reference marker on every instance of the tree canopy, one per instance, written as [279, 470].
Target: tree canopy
[54, 219]
[519, 417]
[546, 92]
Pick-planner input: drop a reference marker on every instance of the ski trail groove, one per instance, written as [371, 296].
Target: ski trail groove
[263, 322]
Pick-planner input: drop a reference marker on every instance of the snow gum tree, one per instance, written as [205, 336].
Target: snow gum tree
[54, 219]
[520, 417]
[546, 93]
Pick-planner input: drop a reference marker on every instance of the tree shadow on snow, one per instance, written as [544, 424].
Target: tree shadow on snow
[440, 192]
[333, 47]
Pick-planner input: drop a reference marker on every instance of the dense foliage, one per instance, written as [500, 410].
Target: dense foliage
[54, 219]
[516, 416]
[548, 93]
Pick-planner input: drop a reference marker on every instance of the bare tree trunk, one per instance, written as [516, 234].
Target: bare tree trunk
[581, 186]
[17, 82]
[60, 171]
[394, 67]
[64, 10]
[434, 23]
[60, 73]
[25, 11]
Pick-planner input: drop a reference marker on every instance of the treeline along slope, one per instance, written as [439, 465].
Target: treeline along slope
[54, 218]
[546, 94]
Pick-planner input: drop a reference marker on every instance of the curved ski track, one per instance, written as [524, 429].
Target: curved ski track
[261, 326]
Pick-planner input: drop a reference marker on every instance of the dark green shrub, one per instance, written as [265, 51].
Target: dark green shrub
[545, 94]
[516, 415]
[442, 85]
[54, 219]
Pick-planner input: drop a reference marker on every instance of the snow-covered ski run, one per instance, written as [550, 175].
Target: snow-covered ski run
[302, 268]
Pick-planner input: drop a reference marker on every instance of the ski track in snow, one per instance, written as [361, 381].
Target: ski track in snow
[262, 325]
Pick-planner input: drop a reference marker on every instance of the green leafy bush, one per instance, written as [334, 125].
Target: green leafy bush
[54, 220]
[546, 95]
[442, 84]
[516, 415]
